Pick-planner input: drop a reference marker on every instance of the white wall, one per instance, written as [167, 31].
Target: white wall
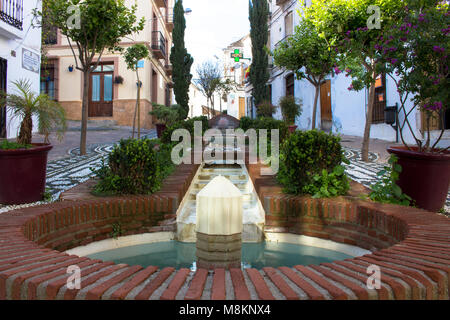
[13, 39]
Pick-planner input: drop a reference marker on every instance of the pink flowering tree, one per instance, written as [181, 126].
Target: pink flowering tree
[416, 51]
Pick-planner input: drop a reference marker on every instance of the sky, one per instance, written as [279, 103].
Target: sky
[212, 26]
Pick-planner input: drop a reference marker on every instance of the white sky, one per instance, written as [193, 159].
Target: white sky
[212, 26]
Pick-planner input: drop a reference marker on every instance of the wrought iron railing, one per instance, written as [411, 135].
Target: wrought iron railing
[11, 11]
[159, 42]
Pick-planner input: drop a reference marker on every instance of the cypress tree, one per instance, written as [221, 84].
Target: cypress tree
[259, 34]
[181, 60]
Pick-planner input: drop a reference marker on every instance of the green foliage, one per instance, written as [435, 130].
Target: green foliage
[25, 104]
[306, 53]
[386, 189]
[47, 195]
[265, 123]
[186, 124]
[7, 145]
[168, 115]
[259, 34]
[327, 185]
[135, 167]
[181, 60]
[304, 155]
[134, 54]
[265, 109]
[290, 109]
[247, 123]
[116, 230]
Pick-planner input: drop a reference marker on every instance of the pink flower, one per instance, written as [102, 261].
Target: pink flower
[337, 70]
[438, 49]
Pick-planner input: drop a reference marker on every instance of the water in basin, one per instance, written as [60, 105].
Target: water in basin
[254, 255]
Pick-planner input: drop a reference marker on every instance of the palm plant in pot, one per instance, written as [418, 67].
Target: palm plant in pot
[291, 108]
[415, 53]
[23, 164]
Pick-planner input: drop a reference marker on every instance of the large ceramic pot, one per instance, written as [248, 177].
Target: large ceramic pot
[22, 174]
[425, 176]
[160, 129]
[292, 128]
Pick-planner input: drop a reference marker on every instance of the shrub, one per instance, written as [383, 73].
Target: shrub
[265, 109]
[186, 124]
[167, 115]
[290, 109]
[304, 156]
[247, 123]
[135, 167]
[386, 189]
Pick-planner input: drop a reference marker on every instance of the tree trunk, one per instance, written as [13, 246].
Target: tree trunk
[26, 129]
[316, 98]
[366, 139]
[84, 112]
[139, 109]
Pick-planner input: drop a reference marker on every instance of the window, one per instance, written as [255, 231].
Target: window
[288, 24]
[48, 80]
[380, 99]
[167, 95]
[290, 84]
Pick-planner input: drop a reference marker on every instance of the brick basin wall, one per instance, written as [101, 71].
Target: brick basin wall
[411, 246]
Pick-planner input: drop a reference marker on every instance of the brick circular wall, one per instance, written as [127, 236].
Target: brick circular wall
[413, 252]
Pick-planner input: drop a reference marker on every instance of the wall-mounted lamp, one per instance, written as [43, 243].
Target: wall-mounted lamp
[71, 68]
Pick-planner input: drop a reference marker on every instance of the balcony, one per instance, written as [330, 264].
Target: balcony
[158, 45]
[169, 19]
[11, 12]
[169, 69]
[161, 3]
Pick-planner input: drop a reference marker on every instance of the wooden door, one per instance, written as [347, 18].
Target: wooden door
[325, 105]
[3, 69]
[241, 107]
[101, 94]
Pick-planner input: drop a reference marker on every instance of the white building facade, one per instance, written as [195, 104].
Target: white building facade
[20, 54]
[339, 110]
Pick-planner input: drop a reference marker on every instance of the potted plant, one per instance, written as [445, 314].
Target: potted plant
[415, 54]
[265, 109]
[166, 116]
[290, 109]
[23, 164]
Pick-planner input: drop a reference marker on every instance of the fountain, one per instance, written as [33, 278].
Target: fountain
[219, 225]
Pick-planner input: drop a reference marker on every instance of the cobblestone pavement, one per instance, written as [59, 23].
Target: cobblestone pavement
[74, 169]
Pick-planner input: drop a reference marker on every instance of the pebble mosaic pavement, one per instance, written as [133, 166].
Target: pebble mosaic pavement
[64, 174]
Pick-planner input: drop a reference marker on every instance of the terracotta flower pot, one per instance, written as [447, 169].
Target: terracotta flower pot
[160, 129]
[292, 128]
[425, 176]
[22, 174]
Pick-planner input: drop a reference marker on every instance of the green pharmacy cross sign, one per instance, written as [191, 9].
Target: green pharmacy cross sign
[237, 55]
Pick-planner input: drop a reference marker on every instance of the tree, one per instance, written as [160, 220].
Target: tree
[259, 34]
[225, 87]
[309, 56]
[351, 27]
[181, 60]
[92, 27]
[132, 56]
[209, 79]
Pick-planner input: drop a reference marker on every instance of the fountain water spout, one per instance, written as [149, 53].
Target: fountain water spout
[219, 225]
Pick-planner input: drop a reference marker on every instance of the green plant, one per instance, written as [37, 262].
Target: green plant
[133, 55]
[134, 167]
[47, 195]
[386, 189]
[328, 184]
[304, 155]
[186, 124]
[116, 230]
[167, 115]
[246, 123]
[25, 104]
[181, 60]
[290, 109]
[265, 109]
[309, 56]
[7, 145]
[102, 26]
